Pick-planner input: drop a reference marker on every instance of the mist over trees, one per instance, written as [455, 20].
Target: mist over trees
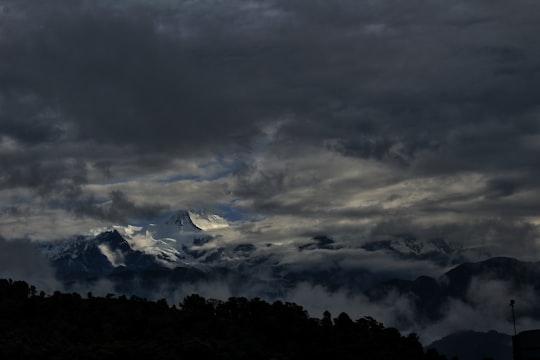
[67, 326]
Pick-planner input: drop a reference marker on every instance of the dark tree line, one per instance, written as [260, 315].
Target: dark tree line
[68, 326]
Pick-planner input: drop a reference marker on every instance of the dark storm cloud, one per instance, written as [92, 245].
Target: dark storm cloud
[379, 77]
[115, 79]
[426, 87]
[501, 187]
[27, 119]
[44, 174]
[118, 209]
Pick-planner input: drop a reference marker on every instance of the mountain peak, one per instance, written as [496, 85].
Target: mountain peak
[197, 220]
[182, 219]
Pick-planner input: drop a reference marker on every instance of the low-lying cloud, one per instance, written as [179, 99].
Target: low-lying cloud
[21, 260]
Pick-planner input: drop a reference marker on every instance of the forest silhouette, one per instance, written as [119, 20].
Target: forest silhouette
[68, 326]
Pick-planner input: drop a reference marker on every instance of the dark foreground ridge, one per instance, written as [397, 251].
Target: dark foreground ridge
[68, 326]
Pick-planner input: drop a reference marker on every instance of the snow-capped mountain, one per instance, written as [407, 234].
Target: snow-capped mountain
[87, 257]
[437, 250]
[191, 220]
[178, 251]
[180, 241]
[188, 247]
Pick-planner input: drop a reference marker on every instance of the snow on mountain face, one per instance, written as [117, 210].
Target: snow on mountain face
[108, 242]
[172, 244]
[183, 222]
[197, 220]
[408, 246]
[205, 221]
[60, 249]
[148, 241]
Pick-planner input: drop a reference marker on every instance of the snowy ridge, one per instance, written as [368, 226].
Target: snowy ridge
[181, 250]
[205, 221]
[408, 246]
[183, 222]
[148, 241]
[192, 220]
[59, 249]
[176, 243]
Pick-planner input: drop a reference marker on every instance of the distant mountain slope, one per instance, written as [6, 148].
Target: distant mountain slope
[473, 345]
[430, 295]
[194, 220]
[436, 250]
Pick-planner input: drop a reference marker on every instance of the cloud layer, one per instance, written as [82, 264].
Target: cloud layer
[353, 119]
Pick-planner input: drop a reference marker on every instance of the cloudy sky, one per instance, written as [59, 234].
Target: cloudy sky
[355, 119]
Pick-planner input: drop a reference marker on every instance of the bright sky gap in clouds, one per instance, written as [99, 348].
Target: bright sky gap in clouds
[354, 119]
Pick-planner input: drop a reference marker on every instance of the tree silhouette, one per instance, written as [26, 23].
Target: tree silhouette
[67, 326]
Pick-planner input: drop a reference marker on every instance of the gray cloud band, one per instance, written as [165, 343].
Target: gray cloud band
[93, 90]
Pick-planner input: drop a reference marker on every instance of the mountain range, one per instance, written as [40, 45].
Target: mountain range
[187, 249]
[188, 243]
[436, 250]
[474, 345]
[431, 295]
[177, 242]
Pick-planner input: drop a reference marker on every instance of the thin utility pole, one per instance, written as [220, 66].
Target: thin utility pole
[512, 302]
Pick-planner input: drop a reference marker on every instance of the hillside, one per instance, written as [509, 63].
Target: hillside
[67, 326]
